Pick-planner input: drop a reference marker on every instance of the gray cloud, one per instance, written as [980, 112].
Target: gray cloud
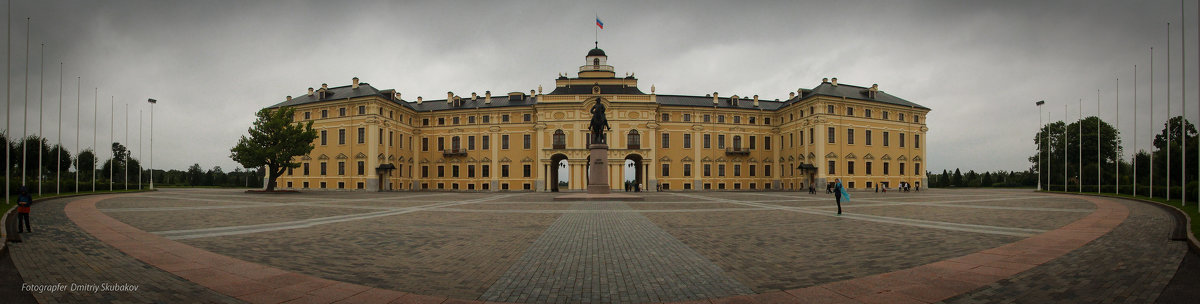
[978, 64]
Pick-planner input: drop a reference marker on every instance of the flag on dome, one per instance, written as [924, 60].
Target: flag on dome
[600, 24]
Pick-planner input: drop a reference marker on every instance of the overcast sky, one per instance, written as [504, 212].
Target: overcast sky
[980, 65]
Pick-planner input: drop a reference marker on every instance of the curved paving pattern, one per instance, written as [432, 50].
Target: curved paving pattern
[974, 246]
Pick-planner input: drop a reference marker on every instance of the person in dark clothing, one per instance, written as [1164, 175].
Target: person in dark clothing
[876, 188]
[838, 193]
[812, 190]
[24, 200]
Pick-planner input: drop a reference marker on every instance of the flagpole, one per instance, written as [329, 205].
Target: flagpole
[1135, 133]
[25, 119]
[95, 135]
[112, 136]
[1170, 126]
[1040, 126]
[58, 164]
[1152, 122]
[78, 130]
[126, 180]
[140, 149]
[1099, 161]
[41, 107]
[1065, 147]
[8, 105]
[1080, 162]
[1183, 106]
[1117, 147]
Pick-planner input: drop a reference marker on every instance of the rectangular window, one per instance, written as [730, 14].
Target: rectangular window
[737, 119]
[902, 140]
[424, 171]
[901, 168]
[454, 120]
[425, 121]
[441, 143]
[441, 171]
[687, 117]
[341, 168]
[708, 141]
[720, 118]
[454, 171]
[687, 140]
[885, 114]
[813, 132]
[324, 114]
[527, 117]
[471, 142]
[324, 137]
[341, 136]
[471, 119]
[687, 170]
[666, 140]
[721, 170]
[342, 111]
[832, 135]
[849, 111]
[307, 115]
[504, 141]
[885, 138]
[305, 168]
[917, 169]
[470, 171]
[767, 142]
[362, 135]
[666, 117]
[867, 135]
[391, 138]
[528, 170]
[766, 120]
[441, 121]
[720, 141]
[752, 118]
[916, 119]
[504, 118]
[666, 170]
[831, 167]
[829, 109]
[850, 167]
[885, 169]
[707, 170]
[867, 113]
[487, 119]
[486, 144]
[424, 144]
[900, 116]
[850, 136]
[362, 168]
[503, 170]
[707, 118]
[752, 172]
[485, 171]
[767, 170]
[528, 142]
[323, 168]
[868, 168]
[737, 170]
[917, 141]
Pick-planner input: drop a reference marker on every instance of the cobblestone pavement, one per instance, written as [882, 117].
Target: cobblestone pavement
[610, 257]
[58, 252]
[1131, 264]
[522, 247]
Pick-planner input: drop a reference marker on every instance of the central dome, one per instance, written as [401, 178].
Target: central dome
[596, 52]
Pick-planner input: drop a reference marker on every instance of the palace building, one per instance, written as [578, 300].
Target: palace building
[375, 140]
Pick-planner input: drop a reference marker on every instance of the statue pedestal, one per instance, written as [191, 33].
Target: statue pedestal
[598, 188]
[598, 170]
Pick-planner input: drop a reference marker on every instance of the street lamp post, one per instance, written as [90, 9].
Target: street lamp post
[1039, 105]
[152, 102]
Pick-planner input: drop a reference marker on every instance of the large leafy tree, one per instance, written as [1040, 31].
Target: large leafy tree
[274, 141]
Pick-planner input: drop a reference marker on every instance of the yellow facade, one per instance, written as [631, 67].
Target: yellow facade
[374, 140]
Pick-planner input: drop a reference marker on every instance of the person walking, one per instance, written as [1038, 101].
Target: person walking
[24, 200]
[811, 189]
[839, 193]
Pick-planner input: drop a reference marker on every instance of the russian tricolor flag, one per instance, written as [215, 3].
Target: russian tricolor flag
[600, 24]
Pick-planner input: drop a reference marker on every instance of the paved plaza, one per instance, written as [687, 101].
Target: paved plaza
[956, 246]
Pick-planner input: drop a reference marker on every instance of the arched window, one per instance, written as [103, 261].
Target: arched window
[634, 140]
[455, 144]
[596, 62]
[737, 142]
[560, 139]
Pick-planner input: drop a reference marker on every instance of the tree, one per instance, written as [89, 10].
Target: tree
[274, 141]
[85, 164]
[957, 181]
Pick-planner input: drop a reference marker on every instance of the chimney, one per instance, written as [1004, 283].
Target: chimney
[715, 98]
[834, 81]
[539, 89]
[824, 80]
[354, 83]
[398, 96]
[487, 97]
[450, 98]
[791, 95]
[310, 91]
[755, 101]
[874, 91]
[324, 86]
[289, 97]
[419, 99]
[531, 92]
[474, 96]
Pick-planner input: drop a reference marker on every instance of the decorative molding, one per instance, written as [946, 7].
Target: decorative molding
[850, 156]
[902, 158]
[916, 158]
[686, 159]
[323, 157]
[527, 160]
[305, 157]
[886, 157]
[342, 156]
[505, 160]
[831, 155]
[360, 156]
[869, 156]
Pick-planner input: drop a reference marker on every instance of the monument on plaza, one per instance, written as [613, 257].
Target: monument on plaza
[598, 188]
[598, 169]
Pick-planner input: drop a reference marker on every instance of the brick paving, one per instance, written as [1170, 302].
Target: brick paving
[610, 257]
[978, 245]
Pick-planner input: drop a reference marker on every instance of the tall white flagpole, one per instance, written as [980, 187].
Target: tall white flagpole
[1152, 122]
[78, 129]
[1117, 148]
[152, 102]
[1065, 147]
[1183, 106]
[126, 180]
[1135, 133]
[112, 136]
[140, 149]
[1170, 126]
[25, 119]
[8, 105]
[95, 136]
[58, 163]
[1040, 127]
[1080, 163]
[1099, 161]
[41, 107]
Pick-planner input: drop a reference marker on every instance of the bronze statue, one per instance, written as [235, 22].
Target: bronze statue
[599, 124]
